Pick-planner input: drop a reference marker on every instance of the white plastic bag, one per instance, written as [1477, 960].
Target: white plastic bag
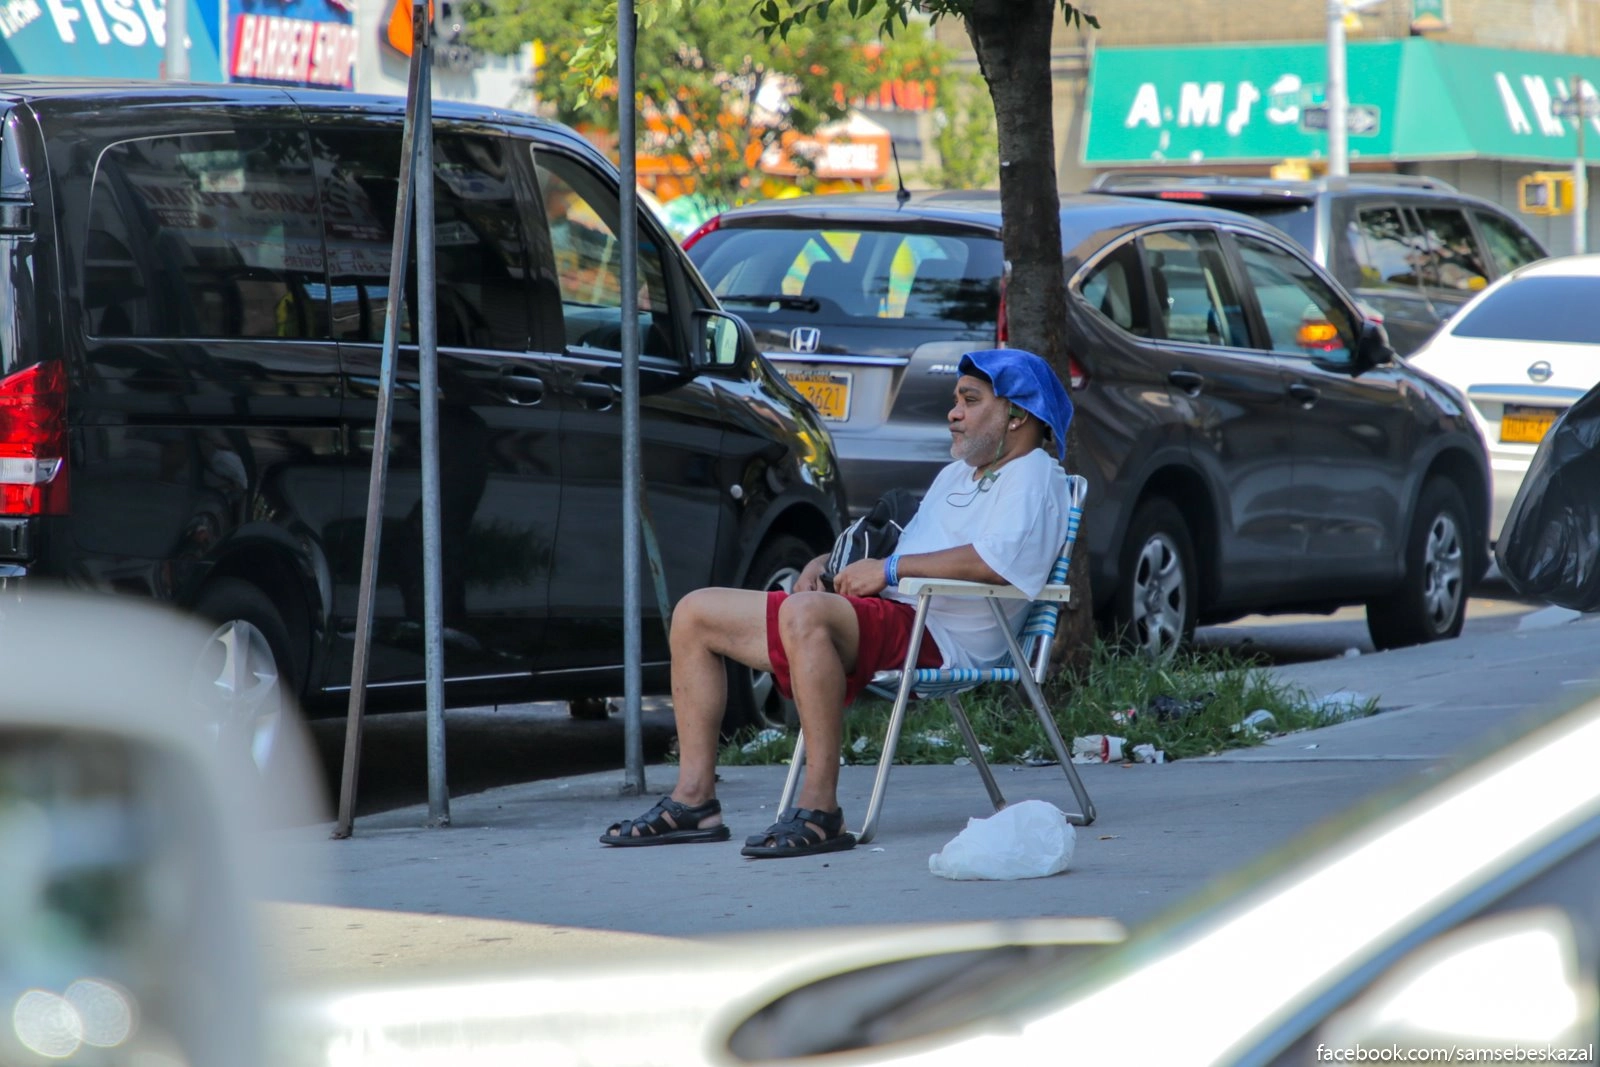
[1029, 839]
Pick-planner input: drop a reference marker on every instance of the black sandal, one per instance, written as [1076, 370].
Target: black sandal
[668, 823]
[791, 836]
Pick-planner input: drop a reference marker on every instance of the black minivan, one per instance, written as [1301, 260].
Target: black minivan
[193, 283]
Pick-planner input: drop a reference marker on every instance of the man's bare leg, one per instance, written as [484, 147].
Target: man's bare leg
[820, 636]
[707, 625]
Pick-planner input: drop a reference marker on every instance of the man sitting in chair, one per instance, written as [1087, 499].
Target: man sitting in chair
[998, 514]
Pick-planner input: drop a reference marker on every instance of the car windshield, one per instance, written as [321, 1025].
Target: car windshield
[852, 274]
[1552, 308]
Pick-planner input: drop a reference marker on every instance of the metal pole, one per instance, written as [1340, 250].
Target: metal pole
[399, 250]
[1580, 172]
[428, 399]
[1338, 94]
[632, 651]
[177, 43]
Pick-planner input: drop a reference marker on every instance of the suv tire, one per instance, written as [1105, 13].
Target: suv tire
[1431, 604]
[1154, 609]
[753, 698]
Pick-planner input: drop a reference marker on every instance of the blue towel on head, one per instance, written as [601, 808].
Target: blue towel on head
[1027, 381]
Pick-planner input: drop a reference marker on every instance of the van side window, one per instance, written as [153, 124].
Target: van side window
[208, 235]
[582, 213]
[1302, 314]
[1509, 245]
[1388, 253]
[1194, 298]
[1115, 288]
[1456, 261]
[480, 255]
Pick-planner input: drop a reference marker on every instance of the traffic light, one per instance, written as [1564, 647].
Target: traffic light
[1545, 192]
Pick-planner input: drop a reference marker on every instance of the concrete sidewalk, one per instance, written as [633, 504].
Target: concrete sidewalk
[529, 853]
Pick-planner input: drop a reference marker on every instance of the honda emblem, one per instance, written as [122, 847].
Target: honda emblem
[804, 339]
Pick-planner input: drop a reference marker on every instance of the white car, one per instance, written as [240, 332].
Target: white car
[1521, 351]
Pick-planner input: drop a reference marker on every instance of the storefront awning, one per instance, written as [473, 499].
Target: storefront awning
[1410, 100]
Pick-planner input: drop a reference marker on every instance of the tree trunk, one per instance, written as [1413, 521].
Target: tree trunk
[1012, 41]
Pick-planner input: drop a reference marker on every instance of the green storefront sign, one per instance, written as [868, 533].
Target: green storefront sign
[1413, 99]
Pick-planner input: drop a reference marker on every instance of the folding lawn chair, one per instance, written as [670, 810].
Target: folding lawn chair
[1033, 649]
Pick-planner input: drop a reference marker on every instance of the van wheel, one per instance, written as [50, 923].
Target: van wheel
[753, 697]
[1431, 604]
[1154, 608]
[241, 679]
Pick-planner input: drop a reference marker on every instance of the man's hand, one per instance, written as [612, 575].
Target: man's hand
[810, 580]
[864, 577]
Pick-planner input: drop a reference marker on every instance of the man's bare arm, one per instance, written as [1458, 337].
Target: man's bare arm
[810, 580]
[865, 577]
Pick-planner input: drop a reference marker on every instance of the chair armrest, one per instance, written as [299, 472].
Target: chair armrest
[956, 587]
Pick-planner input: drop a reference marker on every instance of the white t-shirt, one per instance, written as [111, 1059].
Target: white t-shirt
[1016, 525]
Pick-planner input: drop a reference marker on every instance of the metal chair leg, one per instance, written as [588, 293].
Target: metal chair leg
[891, 738]
[1086, 813]
[796, 761]
[965, 726]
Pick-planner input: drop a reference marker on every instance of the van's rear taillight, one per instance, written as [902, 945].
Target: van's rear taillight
[1076, 375]
[33, 441]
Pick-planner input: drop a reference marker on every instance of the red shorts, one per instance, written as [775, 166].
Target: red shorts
[885, 634]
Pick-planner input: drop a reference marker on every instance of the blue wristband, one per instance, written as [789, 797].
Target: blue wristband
[891, 570]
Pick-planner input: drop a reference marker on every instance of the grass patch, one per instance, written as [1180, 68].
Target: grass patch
[1186, 708]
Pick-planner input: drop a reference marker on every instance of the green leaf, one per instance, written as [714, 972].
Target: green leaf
[772, 10]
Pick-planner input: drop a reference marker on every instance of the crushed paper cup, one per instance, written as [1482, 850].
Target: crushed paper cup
[1097, 748]
[1149, 754]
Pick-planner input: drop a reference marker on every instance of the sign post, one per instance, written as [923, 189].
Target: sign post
[177, 44]
[1338, 87]
[1338, 94]
[1581, 106]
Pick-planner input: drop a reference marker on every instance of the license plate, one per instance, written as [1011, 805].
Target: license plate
[1524, 425]
[828, 391]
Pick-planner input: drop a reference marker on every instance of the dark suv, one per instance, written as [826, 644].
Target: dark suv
[194, 282]
[1413, 249]
[1250, 440]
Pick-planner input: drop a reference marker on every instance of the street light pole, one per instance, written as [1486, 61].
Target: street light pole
[1338, 94]
[1580, 172]
[177, 31]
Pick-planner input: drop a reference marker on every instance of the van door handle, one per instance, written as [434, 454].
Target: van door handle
[1187, 380]
[597, 396]
[1306, 394]
[522, 389]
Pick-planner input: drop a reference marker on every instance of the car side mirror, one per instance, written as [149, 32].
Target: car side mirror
[1373, 349]
[722, 340]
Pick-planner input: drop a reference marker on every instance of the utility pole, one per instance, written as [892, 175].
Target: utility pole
[177, 31]
[1338, 94]
[1580, 171]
